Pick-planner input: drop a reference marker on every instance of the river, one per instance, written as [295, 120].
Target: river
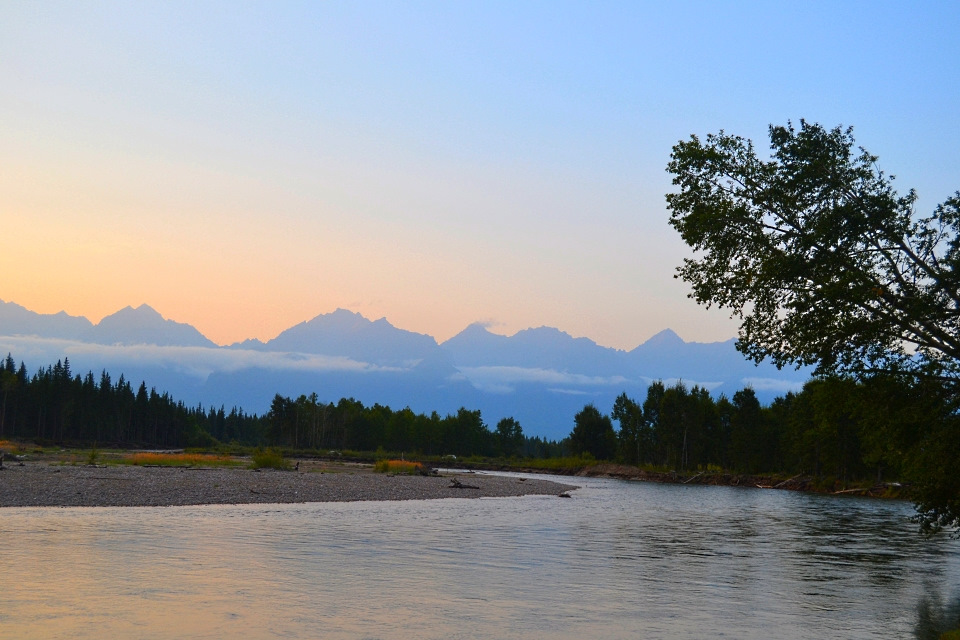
[618, 560]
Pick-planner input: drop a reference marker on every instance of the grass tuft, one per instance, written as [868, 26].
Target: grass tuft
[397, 466]
[179, 460]
[10, 446]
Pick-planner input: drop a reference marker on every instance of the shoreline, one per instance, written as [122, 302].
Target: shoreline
[42, 484]
[802, 483]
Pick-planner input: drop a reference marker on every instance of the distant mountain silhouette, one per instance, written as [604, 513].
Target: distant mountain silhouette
[344, 333]
[17, 320]
[666, 339]
[666, 355]
[540, 376]
[249, 343]
[143, 325]
[543, 348]
[476, 346]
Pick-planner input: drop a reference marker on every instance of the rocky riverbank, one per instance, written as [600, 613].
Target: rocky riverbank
[45, 484]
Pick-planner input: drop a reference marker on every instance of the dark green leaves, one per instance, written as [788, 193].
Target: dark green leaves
[817, 254]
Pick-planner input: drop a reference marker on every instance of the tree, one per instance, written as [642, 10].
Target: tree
[819, 257]
[630, 416]
[674, 424]
[593, 433]
[8, 382]
[652, 423]
[509, 437]
[466, 433]
[825, 264]
[745, 432]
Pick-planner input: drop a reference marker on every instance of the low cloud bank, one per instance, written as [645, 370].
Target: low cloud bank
[504, 379]
[773, 384]
[196, 362]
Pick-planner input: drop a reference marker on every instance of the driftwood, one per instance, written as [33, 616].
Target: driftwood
[860, 490]
[6, 455]
[692, 478]
[780, 484]
[456, 484]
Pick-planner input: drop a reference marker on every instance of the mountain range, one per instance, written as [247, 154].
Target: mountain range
[540, 376]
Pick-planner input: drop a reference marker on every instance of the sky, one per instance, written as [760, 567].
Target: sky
[246, 166]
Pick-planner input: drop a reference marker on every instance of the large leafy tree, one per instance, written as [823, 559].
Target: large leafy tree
[593, 433]
[816, 253]
[509, 436]
[825, 264]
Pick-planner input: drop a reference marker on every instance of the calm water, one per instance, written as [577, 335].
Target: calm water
[619, 560]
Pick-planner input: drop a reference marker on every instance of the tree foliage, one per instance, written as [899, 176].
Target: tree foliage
[825, 264]
[593, 433]
[509, 437]
[54, 405]
[816, 253]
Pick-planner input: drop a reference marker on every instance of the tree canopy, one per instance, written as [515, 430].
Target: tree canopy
[816, 253]
[593, 433]
[825, 264]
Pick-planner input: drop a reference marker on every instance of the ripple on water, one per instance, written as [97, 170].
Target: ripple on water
[620, 560]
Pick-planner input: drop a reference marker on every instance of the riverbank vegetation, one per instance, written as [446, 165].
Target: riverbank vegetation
[269, 458]
[397, 466]
[836, 434]
[177, 459]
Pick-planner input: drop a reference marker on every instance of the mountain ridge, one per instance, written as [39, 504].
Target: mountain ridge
[13, 312]
[145, 325]
[541, 376]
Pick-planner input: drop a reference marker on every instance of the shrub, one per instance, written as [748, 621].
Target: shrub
[269, 459]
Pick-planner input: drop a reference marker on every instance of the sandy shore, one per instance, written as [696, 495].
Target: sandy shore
[45, 484]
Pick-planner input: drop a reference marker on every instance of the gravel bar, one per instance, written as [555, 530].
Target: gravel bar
[39, 484]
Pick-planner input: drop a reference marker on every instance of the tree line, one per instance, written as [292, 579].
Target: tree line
[55, 405]
[884, 427]
[306, 423]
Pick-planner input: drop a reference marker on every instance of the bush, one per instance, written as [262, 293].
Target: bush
[198, 438]
[269, 459]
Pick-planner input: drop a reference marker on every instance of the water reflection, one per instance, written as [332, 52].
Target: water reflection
[620, 560]
[934, 616]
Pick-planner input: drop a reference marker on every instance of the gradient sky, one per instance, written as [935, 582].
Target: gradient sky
[245, 166]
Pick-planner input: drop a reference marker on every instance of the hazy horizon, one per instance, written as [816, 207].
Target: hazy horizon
[541, 378]
[491, 327]
[243, 168]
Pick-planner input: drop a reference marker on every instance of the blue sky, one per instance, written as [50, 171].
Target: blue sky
[244, 166]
